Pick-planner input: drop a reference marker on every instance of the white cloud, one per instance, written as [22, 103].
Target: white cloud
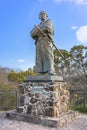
[20, 60]
[74, 1]
[81, 34]
[81, 1]
[74, 27]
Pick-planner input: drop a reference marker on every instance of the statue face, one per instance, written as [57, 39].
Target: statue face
[43, 16]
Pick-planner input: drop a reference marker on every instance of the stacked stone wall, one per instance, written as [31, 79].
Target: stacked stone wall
[50, 99]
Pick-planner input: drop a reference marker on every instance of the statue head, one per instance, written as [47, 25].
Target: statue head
[43, 15]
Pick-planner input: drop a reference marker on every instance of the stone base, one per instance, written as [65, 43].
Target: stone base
[43, 78]
[44, 120]
[44, 98]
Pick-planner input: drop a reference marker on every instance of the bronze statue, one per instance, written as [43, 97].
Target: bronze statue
[43, 36]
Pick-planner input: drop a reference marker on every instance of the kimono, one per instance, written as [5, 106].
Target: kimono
[44, 47]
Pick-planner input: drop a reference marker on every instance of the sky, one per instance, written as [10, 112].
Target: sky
[18, 17]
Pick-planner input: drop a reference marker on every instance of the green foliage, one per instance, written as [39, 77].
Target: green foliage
[5, 87]
[78, 100]
[20, 76]
[72, 62]
[16, 76]
[60, 59]
[81, 110]
[7, 99]
[79, 58]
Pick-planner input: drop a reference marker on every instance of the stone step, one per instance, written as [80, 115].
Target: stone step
[44, 120]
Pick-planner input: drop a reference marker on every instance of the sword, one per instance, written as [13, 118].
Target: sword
[51, 40]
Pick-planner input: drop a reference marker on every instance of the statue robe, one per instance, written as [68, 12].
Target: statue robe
[44, 47]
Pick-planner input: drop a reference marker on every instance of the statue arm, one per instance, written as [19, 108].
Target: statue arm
[34, 33]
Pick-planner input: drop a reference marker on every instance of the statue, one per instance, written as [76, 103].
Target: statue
[43, 36]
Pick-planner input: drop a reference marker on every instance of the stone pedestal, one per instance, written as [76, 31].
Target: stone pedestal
[43, 100]
[44, 95]
[43, 78]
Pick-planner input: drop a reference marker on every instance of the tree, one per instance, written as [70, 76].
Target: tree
[73, 65]
[19, 76]
[62, 62]
[79, 58]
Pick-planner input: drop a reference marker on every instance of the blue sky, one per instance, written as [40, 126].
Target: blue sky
[17, 18]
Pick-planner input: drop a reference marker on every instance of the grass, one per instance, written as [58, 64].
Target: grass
[81, 110]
